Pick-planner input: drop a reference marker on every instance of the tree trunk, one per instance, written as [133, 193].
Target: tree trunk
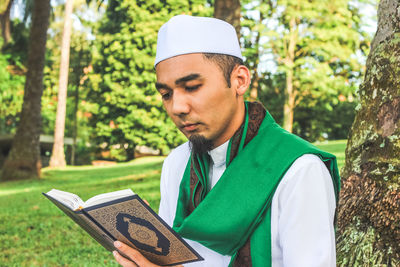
[229, 11]
[256, 77]
[5, 23]
[368, 214]
[23, 160]
[57, 156]
[75, 123]
[254, 84]
[290, 93]
[288, 106]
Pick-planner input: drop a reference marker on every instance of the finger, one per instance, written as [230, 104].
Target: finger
[134, 255]
[145, 201]
[122, 260]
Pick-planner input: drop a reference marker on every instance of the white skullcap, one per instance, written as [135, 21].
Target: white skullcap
[185, 34]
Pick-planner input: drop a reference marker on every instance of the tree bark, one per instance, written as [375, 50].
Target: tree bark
[256, 77]
[75, 123]
[368, 213]
[23, 161]
[5, 23]
[288, 106]
[57, 156]
[290, 93]
[229, 11]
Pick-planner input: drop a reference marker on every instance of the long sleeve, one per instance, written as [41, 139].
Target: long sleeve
[171, 176]
[302, 215]
[164, 209]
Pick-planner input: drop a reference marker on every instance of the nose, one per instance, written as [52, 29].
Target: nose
[180, 104]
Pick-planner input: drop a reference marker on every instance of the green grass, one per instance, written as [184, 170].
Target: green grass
[33, 232]
[336, 147]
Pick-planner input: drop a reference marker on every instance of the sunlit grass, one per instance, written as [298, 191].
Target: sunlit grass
[33, 232]
[337, 148]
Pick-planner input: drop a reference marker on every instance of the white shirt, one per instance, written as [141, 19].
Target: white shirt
[302, 210]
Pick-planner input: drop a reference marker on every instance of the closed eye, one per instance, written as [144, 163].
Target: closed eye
[166, 96]
[192, 88]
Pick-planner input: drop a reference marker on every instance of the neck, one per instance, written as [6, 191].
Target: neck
[233, 126]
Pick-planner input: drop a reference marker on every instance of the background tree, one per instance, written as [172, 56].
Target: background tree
[129, 109]
[5, 22]
[254, 14]
[11, 92]
[229, 11]
[369, 229]
[57, 156]
[13, 61]
[78, 110]
[314, 45]
[23, 160]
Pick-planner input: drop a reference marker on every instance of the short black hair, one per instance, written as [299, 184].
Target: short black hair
[226, 63]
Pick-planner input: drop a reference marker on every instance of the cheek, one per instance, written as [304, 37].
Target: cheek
[167, 108]
[220, 111]
[171, 114]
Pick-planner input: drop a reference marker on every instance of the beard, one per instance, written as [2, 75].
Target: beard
[199, 144]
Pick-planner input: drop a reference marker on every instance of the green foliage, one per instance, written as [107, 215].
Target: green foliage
[78, 109]
[11, 92]
[18, 47]
[128, 108]
[12, 76]
[116, 105]
[314, 120]
[329, 52]
[322, 122]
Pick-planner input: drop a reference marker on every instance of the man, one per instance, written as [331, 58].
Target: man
[242, 191]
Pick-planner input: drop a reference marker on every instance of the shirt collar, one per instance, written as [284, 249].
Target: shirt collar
[218, 154]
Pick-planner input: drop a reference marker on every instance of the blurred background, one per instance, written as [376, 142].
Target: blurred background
[307, 59]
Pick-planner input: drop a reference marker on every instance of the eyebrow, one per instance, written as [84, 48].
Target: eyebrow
[184, 79]
[160, 86]
[187, 78]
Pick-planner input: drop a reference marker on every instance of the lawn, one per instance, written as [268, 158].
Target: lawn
[336, 147]
[33, 232]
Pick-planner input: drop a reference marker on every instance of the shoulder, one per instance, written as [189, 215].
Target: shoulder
[171, 176]
[175, 163]
[306, 172]
[308, 167]
[178, 155]
[302, 215]
[306, 161]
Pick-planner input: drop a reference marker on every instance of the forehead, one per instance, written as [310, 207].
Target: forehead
[176, 67]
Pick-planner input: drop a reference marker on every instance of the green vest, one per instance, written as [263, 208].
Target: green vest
[239, 205]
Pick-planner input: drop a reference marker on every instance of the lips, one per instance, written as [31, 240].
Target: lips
[189, 127]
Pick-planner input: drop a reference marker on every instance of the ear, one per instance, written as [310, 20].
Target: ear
[240, 79]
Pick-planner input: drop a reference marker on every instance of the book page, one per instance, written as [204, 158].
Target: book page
[70, 200]
[89, 226]
[106, 197]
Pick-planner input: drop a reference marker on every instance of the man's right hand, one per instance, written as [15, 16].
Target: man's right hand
[136, 259]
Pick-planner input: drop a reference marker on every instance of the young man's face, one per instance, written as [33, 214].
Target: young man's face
[197, 98]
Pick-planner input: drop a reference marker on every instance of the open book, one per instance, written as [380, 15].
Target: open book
[122, 215]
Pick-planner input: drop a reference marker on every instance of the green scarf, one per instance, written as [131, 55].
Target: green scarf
[237, 209]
